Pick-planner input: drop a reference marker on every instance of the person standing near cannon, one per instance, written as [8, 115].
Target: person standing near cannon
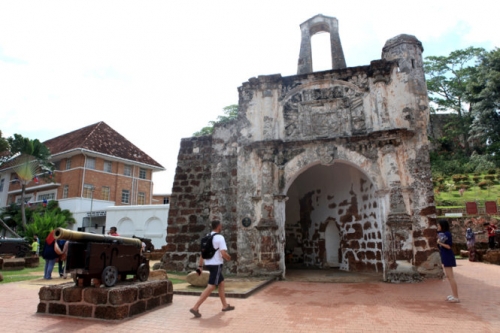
[113, 232]
[35, 246]
[214, 266]
[50, 255]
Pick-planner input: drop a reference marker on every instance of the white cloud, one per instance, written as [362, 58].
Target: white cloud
[157, 71]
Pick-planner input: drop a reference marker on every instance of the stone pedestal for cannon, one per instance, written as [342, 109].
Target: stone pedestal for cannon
[115, 303]
[106, 258]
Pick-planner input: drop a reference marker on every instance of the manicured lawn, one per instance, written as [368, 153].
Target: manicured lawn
[449, 194]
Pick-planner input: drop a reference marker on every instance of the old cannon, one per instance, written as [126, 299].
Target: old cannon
[149, 245]
[18, 247]
[93, 256]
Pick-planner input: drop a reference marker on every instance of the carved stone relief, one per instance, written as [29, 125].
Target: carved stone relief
[328, 112]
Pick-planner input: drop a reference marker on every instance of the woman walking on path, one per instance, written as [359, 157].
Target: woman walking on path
[445, 242]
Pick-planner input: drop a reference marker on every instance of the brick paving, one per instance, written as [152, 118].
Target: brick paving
[285, 306]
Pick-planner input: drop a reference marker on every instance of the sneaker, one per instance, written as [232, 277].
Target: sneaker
[453, 300]
[449, 297]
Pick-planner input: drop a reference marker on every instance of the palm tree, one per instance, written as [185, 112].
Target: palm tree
[31, 158]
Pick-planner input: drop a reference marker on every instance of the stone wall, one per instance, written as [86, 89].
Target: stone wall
[115, 303]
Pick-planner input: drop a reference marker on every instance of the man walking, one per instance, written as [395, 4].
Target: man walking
[214, 266]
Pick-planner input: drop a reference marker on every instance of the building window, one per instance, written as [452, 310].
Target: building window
[46, 196]
[107, 166]
[65, 191]
[1, 184]
[125, 196]
[90, 163]
[57, 165]
[26, 199]
[141, 198]
[87, 190]
[127, 170]
[165, 201]
[105, 193]
[68, 164]
[142, 173]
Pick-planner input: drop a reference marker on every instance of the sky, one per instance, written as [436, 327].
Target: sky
[158, 71]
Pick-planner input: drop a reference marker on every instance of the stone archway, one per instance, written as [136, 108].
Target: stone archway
[333, 219]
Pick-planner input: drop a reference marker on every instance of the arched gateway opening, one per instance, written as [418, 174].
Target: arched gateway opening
[332, 220]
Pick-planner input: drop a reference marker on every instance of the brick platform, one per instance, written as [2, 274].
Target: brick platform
[116, 303]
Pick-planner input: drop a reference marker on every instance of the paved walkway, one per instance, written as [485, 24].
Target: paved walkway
[296, 307]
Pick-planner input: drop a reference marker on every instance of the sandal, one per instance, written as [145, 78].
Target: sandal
[228, 308]
[196, 313]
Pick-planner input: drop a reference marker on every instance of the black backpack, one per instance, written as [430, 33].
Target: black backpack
[207, 246]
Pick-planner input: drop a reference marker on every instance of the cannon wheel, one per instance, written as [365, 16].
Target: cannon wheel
[143, 272]
[109, 276]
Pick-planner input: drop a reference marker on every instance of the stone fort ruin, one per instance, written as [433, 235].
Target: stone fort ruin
[320, 169]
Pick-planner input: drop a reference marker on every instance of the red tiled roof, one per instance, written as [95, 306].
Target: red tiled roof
[99, 138]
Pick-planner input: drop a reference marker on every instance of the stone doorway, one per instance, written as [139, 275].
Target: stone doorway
[333, 220]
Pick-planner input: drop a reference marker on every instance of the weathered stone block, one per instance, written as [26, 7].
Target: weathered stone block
[42, 307]
[167, 299]
[72, 294]
[95, 295]
[31, 262]
[492, 257]
[111, 312]
[198, 280]
[159, 274]
[137, 308]
[122, 295]
[50, 293]
[145, 291]
[80, 310]
[161, 287]
[153, 303]
[15, 264]
[57, 308]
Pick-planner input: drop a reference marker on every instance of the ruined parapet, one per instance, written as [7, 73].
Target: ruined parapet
[309, 28]
[328, 169]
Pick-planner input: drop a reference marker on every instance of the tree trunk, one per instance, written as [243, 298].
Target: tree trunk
[23, 213]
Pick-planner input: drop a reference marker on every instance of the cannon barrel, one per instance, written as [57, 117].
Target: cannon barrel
[70, 235]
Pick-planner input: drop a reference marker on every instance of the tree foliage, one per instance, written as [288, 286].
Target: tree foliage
[485, 89]
[31, 158]
[4, 148]
[230, 113]
[448, 79]
[12, 216]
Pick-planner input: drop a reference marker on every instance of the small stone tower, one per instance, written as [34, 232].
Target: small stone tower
[309, 28]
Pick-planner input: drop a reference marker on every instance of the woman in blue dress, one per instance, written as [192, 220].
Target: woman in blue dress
[445, 242]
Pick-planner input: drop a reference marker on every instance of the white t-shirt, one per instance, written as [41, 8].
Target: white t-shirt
[219, 243]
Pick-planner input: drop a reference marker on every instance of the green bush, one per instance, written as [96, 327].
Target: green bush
[489, 177]
[476, 179]
[484, 184]
[492, 171]
[456, 178]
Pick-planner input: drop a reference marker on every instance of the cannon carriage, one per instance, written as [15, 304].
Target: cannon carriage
[107, 258]
[18, 247]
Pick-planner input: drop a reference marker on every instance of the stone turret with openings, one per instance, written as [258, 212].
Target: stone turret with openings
[309, 28]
